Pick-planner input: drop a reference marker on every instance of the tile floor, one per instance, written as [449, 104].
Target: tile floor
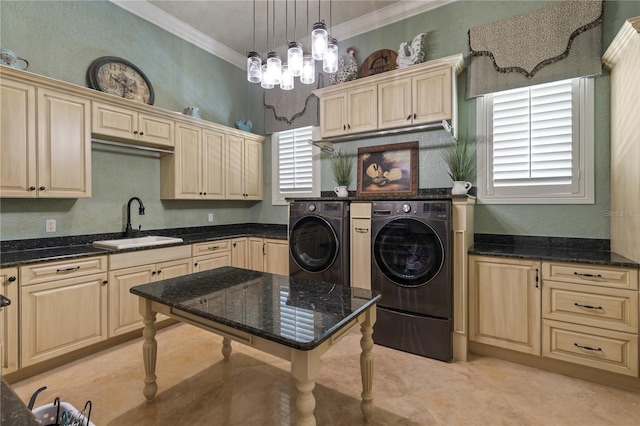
[197, 387]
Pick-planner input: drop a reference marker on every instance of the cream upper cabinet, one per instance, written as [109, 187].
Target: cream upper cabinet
[195, 169]
[243, 165]
[504, 303]
[361, 245]
[9, 353]
[354, 111]
[416, 95]
[63, 307]
[46, 142]
[120, 123]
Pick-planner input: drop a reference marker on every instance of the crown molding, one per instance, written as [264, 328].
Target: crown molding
[371, 21]
[629, 30]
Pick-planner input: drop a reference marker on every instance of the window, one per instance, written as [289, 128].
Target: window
[295, 165]
[538, 147]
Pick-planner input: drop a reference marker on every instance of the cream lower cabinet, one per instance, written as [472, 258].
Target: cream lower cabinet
[361, 245]
[45, 142]
[127, 270]
[211, 255]
[9, 353]
[590, 316]
[269, 255]
[504, 303]
[123, 124]
[63, 307]
[243, 165]
[195, 171]
[240, 252]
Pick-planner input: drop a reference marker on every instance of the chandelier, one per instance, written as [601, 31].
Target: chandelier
[273, 71]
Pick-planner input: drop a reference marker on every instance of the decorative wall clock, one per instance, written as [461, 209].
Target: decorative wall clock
[121, 78]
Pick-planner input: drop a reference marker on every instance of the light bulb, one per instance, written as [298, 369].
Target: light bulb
[254, 67]
[330, 61]
[286, 82]
[274, 68]
[265, 83]
[319, 39]
[294, 58]
[308, 75]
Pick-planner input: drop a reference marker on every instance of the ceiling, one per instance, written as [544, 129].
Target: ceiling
[225, 28]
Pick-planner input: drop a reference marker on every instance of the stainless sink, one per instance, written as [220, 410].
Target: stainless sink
[125, 243]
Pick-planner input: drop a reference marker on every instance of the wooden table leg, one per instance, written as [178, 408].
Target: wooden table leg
[366, 363]
[149, 349]
[226, 347]
[304, 368]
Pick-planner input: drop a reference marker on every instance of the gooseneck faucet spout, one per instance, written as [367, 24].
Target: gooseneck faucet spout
[129, 231]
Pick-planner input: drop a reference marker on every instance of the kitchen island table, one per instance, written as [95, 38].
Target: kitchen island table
[294, 319]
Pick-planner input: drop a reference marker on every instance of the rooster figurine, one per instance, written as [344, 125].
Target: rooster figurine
[346, 72]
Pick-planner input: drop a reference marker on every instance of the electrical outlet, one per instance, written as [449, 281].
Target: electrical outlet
[210, 217]
[50, 225]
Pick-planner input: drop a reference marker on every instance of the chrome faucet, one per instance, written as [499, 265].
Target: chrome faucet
[129, 231]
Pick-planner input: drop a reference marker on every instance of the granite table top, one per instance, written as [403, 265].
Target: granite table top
[14, 411]
[24, 252]
[262, 304]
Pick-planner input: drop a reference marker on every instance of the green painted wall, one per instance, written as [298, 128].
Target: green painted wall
[61, 39]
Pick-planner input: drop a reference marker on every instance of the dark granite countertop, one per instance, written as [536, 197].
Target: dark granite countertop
[262, 304]
[14, 411]
[579, 250]
[423, 194]
[23, 252]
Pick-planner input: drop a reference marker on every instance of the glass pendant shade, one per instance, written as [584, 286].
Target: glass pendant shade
[286, 82]
[308, 75]
[330, 61]
[294, 58]
[265, 83]
[254, 67]
[319, 40]
[274, 68]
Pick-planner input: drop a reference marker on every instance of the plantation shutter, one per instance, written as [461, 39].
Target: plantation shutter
[295, 158]
[533, 136]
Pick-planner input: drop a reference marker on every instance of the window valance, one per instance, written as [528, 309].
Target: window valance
[552, 43]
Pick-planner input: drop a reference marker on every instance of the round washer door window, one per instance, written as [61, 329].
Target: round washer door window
[408, 252]
[313, 244]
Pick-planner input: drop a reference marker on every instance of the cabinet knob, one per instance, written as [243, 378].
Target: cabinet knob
[141, 133]
[409, 117]
[159, 271]
[135, 132]
[200, 193]
[11, 279]
[153, 272]
[32, 188]
[105, 282]
[42, 188]
[415, 115]
[195, 264]
[349, 126]
[204, 193]
[344, 127]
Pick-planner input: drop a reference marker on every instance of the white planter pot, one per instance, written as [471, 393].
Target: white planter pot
[460, 187]
[341, 191]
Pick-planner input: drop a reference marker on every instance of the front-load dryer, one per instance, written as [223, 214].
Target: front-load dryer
[319, 241]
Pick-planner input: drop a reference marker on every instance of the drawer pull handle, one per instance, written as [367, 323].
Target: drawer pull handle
[579, 305]
[73, 268]
[213, 247]
[588, 275]
[362, 230]
[587, 348]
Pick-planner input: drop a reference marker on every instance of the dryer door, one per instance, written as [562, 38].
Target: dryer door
[408, 252]
[313, 244]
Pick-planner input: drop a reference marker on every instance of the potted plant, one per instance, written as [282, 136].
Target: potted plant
[342, 168]
[461, 160]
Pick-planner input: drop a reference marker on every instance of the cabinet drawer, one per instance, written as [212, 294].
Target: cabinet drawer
[591, 274]
[361, 210]
[607, 350]
[45, 272]
[609, 308]
[210, 247]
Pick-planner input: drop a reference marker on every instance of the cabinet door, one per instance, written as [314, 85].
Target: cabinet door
[64, 145]
[234, 163]
[113, 121]
[240, 252]
[394, 104]
[333, 115]
[361, 252]
[218, 260]
[252, 170]
[504, 303]
[276, 257]
[432, 97]
[155, 131]
[187, 162]
[9, 321]
[61, 316]
[362, 110]
[256, 254]
[212, 155]
[124, 311]
[17, 139]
